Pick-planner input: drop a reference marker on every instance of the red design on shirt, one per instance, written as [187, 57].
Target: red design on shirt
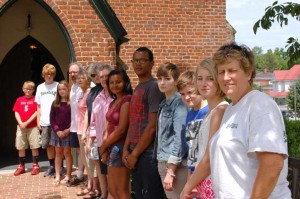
[205, 190]
[136, 115]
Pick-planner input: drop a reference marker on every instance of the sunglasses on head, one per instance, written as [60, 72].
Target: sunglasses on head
[93, 75]
[231, 47]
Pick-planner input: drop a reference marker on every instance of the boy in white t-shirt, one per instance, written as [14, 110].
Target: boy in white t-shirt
[44, 97]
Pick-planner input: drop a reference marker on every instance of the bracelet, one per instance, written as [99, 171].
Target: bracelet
[171, 173]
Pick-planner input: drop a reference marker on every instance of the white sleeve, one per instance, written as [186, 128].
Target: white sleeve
[38, 95]
[267, 130]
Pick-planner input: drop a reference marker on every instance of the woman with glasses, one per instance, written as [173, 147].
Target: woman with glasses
[96, 121]
[247, 156]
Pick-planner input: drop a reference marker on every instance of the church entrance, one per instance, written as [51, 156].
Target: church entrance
[22, 63]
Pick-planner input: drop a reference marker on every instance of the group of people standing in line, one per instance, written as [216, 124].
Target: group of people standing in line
[176, 135]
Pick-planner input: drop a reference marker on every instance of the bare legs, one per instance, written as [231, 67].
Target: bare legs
[62, 152]
[118, 182]
[102, 180]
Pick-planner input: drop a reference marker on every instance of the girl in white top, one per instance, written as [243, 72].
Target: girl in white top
[208, 88]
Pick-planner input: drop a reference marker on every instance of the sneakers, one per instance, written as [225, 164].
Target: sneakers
[75, 181]
[35, 169]
[20, 170]
[62, 171]
[50, 171]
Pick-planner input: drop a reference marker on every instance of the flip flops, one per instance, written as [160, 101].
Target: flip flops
[83, 192]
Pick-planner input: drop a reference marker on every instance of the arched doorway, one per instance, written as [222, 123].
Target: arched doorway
[25, 61]
[31, 35]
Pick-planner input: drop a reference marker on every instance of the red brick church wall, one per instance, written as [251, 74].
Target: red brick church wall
[183, 32]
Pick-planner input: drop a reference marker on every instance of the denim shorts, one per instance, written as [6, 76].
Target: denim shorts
[115, 157]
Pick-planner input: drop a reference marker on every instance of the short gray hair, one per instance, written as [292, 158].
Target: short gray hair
[97, 66]
[77, 64]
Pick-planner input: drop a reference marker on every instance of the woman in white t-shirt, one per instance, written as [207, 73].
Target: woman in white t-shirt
[248, 154]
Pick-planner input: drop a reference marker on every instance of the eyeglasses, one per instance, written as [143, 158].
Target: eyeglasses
[231, 47]
[27, 89]
[141, 61]
[93, 75]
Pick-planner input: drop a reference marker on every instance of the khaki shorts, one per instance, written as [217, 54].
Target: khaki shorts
[88, 163]
[28, 136]
[179, 181]
[45, 136]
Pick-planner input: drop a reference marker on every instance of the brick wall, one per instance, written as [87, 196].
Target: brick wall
[182, 32]
[90, 38]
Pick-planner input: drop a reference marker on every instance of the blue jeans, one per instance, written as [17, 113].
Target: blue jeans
[146, 179]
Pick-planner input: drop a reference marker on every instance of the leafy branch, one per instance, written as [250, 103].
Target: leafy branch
[280, 13]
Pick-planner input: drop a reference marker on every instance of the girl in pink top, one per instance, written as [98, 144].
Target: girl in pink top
[117, 118]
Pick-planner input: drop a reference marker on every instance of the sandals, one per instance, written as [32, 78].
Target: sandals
[65, 181]
[92, 194]
[56, 182]
[83, 192]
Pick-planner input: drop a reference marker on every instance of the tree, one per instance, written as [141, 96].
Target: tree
[256, 87]
[293, 98]
[276, 60]
[281, 12]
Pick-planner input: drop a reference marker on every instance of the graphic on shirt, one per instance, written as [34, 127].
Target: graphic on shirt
[284, 137]
[26, 105]
[48, 93]
[136, 114]
[232, 126]
[192, 134]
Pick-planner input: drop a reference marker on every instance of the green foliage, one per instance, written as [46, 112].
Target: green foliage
[280, 13]
[276, 60]
[294, 90]
[256, 87]
[293, 135]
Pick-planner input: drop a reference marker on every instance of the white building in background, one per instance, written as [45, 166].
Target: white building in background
[282, 82]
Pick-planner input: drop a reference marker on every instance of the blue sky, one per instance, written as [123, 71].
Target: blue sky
[242, 15]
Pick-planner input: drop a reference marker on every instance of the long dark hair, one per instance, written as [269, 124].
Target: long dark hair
[127, 88]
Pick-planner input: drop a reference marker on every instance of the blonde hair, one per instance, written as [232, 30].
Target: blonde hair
[209, 65]
[30, 84]
[48, 68]
[56, 102]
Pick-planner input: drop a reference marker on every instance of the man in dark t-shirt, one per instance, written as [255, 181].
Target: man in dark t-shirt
[139, 144]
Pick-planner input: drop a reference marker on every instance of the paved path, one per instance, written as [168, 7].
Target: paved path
[37, 187]
[27, 186]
